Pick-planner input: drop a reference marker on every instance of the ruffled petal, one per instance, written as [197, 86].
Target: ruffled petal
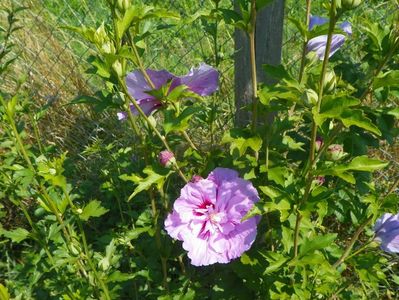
[203, 80]
[222, 174]
[137, 85]
[242, 238]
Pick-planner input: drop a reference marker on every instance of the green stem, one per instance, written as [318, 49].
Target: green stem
[90, 262]
[312, 160]
[252, 57]
[305, 42]
[352, 242]
[150, 124]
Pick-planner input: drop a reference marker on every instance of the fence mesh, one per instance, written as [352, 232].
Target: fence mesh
[55, 59]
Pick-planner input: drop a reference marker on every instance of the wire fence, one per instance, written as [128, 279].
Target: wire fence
[55, 59]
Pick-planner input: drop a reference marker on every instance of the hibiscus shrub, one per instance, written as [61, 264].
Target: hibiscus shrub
[283, 207]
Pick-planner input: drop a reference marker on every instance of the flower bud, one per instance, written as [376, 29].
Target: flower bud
[311, 96]
[196, 178]
[335, 152]
[118, 68]
[330, 81]
[79, 211]
[166, 158]
[319, 180]
[123, 5]
[318, 144]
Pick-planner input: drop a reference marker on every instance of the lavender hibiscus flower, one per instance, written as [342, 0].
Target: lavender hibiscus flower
[387, 232]
[207, 217]
[203, 81]
[318, 44]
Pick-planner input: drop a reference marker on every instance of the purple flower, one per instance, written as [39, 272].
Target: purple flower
[318, 44]
[207, 217]
[203, 81]
[387, 232]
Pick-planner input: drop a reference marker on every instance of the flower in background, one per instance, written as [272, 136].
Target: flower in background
[387, 232]
[203, 81]
[318, 43]
[207, 217]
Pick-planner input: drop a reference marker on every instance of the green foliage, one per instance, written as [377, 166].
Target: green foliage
[75, 233]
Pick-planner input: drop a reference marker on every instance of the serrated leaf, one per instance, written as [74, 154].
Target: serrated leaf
[241, 140]
[93, 209]
[118, 276]
[179, 123]
[277, 174]
[156, 177]
[356, 117]
[332, 107]
[390, 78]
[316, 243]
[275, 260]
[17, 235]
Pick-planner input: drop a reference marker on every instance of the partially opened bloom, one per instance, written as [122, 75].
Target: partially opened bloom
[203, 81]
[207, 217]
[166, 158]
[387, 232]
[318, 44]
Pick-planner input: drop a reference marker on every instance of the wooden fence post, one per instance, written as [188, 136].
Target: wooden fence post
[269, 37]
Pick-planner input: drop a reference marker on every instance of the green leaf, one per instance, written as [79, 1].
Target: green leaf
[156, 177]
[316, 243]
[16, 235]
[137, 13]
[300, 26]
[118, 276]
[4, 295]
[356, 117]
[292, 144]
[394, 112]
[109, 257]
[278, 72]
[364, 163]
[93, 209]
[332, 107]
[390, 78]
[181, 122]
[241, 140]
[278, 175]
[275, 260]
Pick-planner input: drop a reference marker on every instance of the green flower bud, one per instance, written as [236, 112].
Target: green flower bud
[311, 96]
[330, 81]
[335, 152]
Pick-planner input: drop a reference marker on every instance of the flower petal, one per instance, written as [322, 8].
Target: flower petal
[203, 80]
[137, 85]
[318, 44]
[316, 20]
